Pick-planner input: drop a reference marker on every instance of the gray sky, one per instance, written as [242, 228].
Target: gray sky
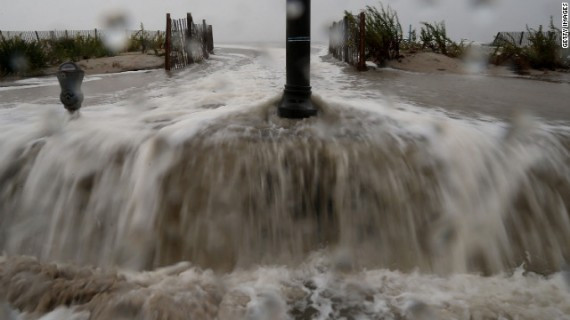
[264, 20]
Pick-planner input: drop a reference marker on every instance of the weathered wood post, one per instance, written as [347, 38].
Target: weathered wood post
[345, 39]
[205, 39]
[210, 39]
[362, 44]
[37, 36]
[331, 44]
[336, 42]
[338, 47]
[188, 46]
[331, 29]
[168, 43]
[96, 35]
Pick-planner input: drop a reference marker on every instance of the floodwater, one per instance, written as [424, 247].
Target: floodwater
[184, 196]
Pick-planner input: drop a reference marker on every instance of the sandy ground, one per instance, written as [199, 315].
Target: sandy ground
[132, 61]
[429, 62]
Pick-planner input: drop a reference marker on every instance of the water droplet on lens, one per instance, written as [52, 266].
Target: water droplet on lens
[195, 50]
[115, 37]
[19, 63]
[418, 310]
[475, 60]
[295, 9]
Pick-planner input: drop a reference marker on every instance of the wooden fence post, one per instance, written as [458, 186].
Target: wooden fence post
[188, 46]
[96, 35]
[330, 38]
[333, 40]
[205, 39]
[182, 60]
[362, 44]
[340, 39]
[168, 43]
[346, 34]
[210, 39]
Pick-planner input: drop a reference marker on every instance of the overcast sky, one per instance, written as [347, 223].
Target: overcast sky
[264, 20]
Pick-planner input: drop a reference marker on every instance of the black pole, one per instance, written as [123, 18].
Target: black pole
[296, 102]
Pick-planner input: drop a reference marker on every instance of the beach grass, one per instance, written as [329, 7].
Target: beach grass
[23, 58]
[384, 36]
[18, 56]
[145, 41]
[543, 51]
[383, 33]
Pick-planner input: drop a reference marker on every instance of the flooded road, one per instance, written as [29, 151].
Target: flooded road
[469, 95]
[185, 196]
[473, 95]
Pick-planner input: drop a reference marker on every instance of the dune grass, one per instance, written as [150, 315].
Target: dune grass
[543, 52]
[384, 36]
[20, 57]
[433, 36]
[144, 41]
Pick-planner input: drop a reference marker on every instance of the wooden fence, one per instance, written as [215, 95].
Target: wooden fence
[520, 39]
[187, 42]
[347, 41]
[31, 36]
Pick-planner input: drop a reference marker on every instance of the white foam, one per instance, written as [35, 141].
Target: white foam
[481, 172]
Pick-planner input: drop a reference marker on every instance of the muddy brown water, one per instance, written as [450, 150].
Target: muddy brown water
[177, 197]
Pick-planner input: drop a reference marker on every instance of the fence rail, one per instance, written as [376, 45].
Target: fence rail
[347, 41]
[187, 42]
[31, 36]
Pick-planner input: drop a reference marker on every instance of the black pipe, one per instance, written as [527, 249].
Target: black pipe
[296, 102]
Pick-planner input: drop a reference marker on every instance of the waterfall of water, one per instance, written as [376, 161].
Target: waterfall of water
[329, 205]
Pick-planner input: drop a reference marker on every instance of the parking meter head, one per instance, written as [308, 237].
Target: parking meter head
[70, 78]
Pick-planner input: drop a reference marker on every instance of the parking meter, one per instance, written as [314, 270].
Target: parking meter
[70, 78]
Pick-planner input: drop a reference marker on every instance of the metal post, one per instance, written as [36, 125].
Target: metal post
[296, 101]
[168, 43]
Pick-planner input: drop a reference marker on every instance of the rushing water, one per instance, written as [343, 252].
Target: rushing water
[186, 197]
